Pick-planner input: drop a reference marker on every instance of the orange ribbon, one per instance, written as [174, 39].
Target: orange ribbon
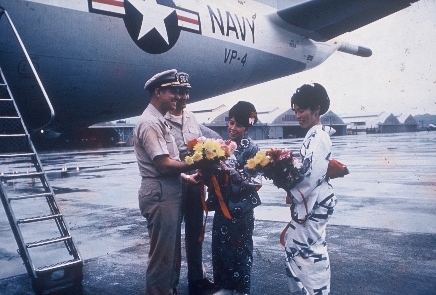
[282, 235]
[217, 189]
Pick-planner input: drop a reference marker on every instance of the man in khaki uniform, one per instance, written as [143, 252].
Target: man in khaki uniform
[184, 128]
[160, 194]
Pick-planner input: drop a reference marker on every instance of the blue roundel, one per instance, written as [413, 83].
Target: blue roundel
[152, 41]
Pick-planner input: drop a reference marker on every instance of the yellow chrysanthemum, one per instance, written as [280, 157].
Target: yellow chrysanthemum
[198, 147]
[258, 159]
[189, 160]
[251, 164]
[209, 145]
[220, 153]
[210, 155]
[210, 149]
[264, 161]
[197, 157]
[260, 155]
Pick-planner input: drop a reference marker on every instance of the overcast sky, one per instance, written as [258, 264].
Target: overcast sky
[400, 76]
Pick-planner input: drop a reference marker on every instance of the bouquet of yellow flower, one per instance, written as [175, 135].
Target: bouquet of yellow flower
[209, 150]
[277, 165]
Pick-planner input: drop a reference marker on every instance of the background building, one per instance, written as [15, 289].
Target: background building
[272, 123]
[380, 123]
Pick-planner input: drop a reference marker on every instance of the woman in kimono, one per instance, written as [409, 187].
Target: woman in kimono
[312, 198]
[233, 223]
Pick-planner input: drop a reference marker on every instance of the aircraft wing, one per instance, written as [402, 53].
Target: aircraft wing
[322, 20]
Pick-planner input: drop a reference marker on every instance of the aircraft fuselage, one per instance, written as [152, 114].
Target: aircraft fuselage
[94, 56]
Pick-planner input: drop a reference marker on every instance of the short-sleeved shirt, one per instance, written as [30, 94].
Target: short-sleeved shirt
[152, 138]
[183, 129]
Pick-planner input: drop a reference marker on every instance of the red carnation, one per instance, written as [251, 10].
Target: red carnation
[191, 144]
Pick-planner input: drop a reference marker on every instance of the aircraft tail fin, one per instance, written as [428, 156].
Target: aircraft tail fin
[322, 20]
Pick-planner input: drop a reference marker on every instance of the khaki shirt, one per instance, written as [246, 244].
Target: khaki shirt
[185, 132]
[152, 138]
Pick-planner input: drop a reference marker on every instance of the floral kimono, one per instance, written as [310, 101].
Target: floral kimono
[312, 204]
[232, 243]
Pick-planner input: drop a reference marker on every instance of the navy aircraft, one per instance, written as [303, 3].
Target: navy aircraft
[92, 57]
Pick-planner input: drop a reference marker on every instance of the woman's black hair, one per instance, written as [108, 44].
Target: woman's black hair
[244, 113]
[310, 97]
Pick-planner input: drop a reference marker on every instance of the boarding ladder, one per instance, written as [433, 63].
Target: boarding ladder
[44, 241]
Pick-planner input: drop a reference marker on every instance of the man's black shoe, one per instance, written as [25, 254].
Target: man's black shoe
[201, 287]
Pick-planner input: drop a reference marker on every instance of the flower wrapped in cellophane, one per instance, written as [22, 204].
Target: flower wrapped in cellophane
[278, 165]
[209, 150]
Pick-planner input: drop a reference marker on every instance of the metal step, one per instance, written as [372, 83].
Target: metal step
[22, 175]
[39, 218]
[30, 196]
[59, 275]
[60, 265]
[17, 155]
[13, 135]
[48, 241]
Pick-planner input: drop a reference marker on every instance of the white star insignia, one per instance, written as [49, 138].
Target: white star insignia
[149, 11]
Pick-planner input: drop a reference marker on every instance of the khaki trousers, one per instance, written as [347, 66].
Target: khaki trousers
[160, 203]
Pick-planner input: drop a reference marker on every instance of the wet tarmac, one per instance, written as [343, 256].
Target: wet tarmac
[381, 236]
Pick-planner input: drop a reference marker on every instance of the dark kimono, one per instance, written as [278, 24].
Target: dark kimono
[232, 243]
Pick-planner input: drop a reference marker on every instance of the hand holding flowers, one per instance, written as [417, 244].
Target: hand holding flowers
[278, 165]
[282, 168]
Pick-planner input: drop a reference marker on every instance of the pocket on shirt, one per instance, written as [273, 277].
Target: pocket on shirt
[171, 145]
[193, 131]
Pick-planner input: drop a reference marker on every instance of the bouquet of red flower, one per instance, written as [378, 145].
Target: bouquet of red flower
[277, 165]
